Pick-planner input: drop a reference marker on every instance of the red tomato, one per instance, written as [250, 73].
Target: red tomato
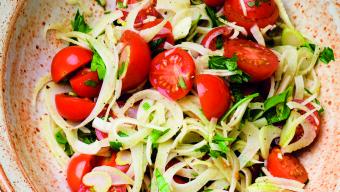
[144, 13]
[172, 73]
[286, 166]
[69, 60]
[210, 39]
[316, 124]
[255, 60]
[73, 108]
[111, 161]
[84, 188]
[79, 166]
[214, 95]
[214, 3]
[86, 83]
[165, 33]
[120, 188]
[128, 2]
[265, 14]
[137, 54]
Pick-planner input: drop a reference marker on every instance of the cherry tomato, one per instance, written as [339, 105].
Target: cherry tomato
[73, 108]
[172, 73]
[286, 166]
[86, 83]
[255, 60]
[111, 161]
[165, 33]
[266, 13]
[144, 13]
[315, 124]
[214, 3]
[79, 166]
[210, 39]
[128, 2]
[118, 188]
[136, 54]
[69, 60]
[214, 95]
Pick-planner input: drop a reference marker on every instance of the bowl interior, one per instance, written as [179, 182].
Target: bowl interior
[29, 56]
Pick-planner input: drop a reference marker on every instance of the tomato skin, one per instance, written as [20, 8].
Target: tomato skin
[209, 40]
[69, 60]
[165, 33]
[78, 83]
[255, 60]
[214, 95]
[79, 166]
[168, 69]
[286, 166]
[139, 60]
[118, 188]
[263, 15]
[316, 125]
[73, 108]
[214, 3]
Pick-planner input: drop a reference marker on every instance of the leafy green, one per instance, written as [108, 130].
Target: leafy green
[156, 134]
[79, 24]
[182, 83]
[230, 64]
[212, 15]
[121, 69]
[87, 138]
[98, 65]
[146, 106]
[196, 2]
[215, 154]
[219, 42]
[219, 138]
[275, 108]
[327, 55]
[120, 5]
[236, 92]
[192, 31]
[310, 46]
[68, 150]
[204, 149]
[162, 185]
[154, 44]
[235, 106]
[122, 134]
[91, 83]
[256, 3]
[101, 2]
[62, 140]
[115, 145]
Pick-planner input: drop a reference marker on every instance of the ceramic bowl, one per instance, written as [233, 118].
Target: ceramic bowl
[27, 163]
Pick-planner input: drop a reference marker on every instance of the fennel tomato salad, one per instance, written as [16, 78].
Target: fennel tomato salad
[182, 95]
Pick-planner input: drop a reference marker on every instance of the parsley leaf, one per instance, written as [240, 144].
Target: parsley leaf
[60, 137]
[162, 185]
[101, 2]
[219, 138]
[98, 65]
[156, 134]
[219, 42]
[327, 55]
[212, 15]
[122, 134]
[204, 149]
[79, 24]
[91, 83]
[115, 145]
[310, 46]
[230, 64]
[234, 107]
[122, 69]
[236, 92]
[155, 46]
[87, 138]
[121, 5]
[146, 106]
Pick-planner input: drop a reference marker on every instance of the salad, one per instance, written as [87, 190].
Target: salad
[182, 95]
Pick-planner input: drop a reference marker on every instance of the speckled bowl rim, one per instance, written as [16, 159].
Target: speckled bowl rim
[5, 183]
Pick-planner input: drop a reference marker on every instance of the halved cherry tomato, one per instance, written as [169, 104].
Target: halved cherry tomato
[255, 60]
[210, 39]
[69, 60]
[172, 73]
[266, 13]
[73, 108]
[214, 95]
[286, 166]
[214, 3]
[86, 83]
[111, 161]
[165, 33]
[79, 166]
[118, 188]
[136, 54]
[316, 124]
[128, 1]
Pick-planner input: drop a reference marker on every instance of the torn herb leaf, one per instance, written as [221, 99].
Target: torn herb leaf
[61, 137]
[162, 185]
[87, 138]
[91, 83]
[327, 55]
[98, 65]
[212, 15]
[79, 24]
[115, 145]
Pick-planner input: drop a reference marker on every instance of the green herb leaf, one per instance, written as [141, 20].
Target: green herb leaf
[68, 150]
[212, 15]
[87, 138]
[219, 42]
[208, 190]
[61, 138]
[236, 92]
[146, 106]
[204, 149]
[192, 32]
[310, 46]
[115, 145]
[162, 185]
[101, 2]
[230, 64]
[154, 44]
[215, 154]
[156, 134]
[251, 3]
[235, 106]
[327, 55]
[122, 134]
[121, 70]
[79, 24]
[121, 5]
[182, 83]
[196, 2]
[219, 138]
[277, 99]
[98, 65]
[91, 83]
